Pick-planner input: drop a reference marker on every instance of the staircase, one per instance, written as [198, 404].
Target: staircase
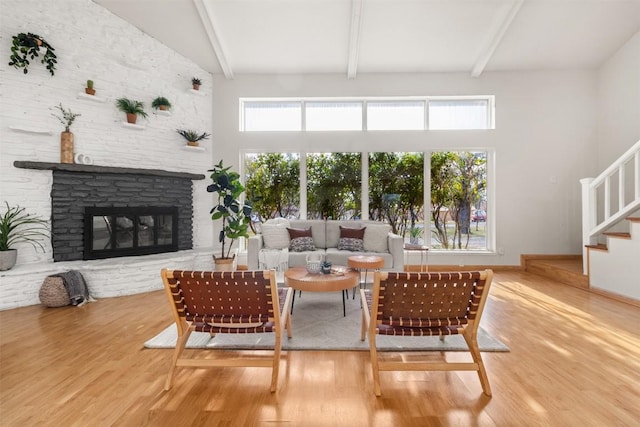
[611, 228]
[615, 266]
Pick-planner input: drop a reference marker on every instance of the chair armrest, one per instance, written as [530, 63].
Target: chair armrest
[253, 248]
[396, 248]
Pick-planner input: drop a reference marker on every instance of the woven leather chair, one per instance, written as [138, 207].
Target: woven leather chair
[426, 304]
[231, 302]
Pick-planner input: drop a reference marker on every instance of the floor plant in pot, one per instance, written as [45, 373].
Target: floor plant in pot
[131, 108]
[234, 214]
[17, 225]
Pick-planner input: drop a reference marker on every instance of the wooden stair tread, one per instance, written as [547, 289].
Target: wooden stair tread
[618, 234]
[599, 247]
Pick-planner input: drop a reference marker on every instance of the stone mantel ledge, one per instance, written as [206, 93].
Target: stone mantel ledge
[72, 167]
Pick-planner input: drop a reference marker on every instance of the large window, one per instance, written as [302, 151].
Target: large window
[370, 114]
[334, 186]
[458, 200]
[448, 212]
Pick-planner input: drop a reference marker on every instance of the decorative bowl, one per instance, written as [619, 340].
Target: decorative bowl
[313, 267]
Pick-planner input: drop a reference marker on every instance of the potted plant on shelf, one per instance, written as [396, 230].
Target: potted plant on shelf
[131, 108]
[192, 136]
[29, 46]
[234, 214]
[196, 82]
[67, 118]
[89, 90]
[161, 103]
[17, 225]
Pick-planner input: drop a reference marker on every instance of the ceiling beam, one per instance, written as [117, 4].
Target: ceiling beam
[207, 22]
[497, 33]
[354, 37]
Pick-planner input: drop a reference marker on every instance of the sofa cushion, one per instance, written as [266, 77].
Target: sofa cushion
[301, 239]
[317, 230]
[375, 237]
[333, 230]
[275, 235]
[351, 239]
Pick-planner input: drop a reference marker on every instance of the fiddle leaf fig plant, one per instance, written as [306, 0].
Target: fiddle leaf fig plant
[235, 215]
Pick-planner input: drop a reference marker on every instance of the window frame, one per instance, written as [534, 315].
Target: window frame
[364, 100]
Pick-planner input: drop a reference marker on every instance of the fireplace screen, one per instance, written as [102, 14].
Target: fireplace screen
[114, 231]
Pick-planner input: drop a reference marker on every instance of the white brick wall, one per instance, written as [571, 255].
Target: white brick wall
[91, 43]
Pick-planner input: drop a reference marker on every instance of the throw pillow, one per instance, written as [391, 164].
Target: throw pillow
[301, 239]
[376, 237]
[275, 236]
[351, 239]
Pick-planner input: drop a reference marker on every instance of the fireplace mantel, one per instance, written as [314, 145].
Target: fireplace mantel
[72, 167]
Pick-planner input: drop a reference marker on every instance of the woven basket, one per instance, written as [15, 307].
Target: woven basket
[53, 293]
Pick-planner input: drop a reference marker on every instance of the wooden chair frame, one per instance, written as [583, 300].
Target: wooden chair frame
[265, 308]
[462, 295]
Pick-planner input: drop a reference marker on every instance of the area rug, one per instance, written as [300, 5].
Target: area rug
[318, 324]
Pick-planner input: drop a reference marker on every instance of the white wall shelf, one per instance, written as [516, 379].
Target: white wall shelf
[93, 98]
[163, 112]
[197, 92]
[36, 131]
[190, 148]
[133, 126]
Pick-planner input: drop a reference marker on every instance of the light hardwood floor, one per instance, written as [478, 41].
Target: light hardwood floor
[574, 361]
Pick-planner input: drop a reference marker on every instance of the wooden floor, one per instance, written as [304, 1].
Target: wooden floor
[574, 361]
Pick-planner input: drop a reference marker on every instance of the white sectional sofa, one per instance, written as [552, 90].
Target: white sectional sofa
[265, 248]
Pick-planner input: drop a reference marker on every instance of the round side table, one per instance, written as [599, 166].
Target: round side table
[366, 263]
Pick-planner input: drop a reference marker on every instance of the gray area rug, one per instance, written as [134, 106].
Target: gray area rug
[318, 324]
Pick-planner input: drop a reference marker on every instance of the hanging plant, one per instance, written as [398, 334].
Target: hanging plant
[28, 46]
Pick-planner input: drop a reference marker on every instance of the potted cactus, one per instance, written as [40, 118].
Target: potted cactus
[89, 90]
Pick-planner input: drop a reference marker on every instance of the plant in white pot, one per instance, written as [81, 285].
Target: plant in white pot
[235, 215]
[17, 225]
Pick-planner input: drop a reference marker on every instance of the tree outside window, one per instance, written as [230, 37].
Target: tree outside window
[334, 183]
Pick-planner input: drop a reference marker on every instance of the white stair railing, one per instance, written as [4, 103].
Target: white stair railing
[592, 224]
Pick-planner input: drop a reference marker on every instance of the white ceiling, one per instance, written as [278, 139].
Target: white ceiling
[370, 36]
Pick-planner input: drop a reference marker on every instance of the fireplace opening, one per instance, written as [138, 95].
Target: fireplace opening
[129, 231]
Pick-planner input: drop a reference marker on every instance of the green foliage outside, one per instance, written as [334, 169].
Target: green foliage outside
[458, 181]
[273, 184]
[334, 186]
[396, 190]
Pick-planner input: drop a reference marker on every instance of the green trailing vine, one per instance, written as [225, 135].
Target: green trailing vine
[27, 47]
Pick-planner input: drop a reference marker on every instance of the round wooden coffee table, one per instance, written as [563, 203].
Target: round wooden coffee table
[366, 263]
[300, 279]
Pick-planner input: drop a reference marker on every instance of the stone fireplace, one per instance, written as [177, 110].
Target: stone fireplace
[116, 196]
